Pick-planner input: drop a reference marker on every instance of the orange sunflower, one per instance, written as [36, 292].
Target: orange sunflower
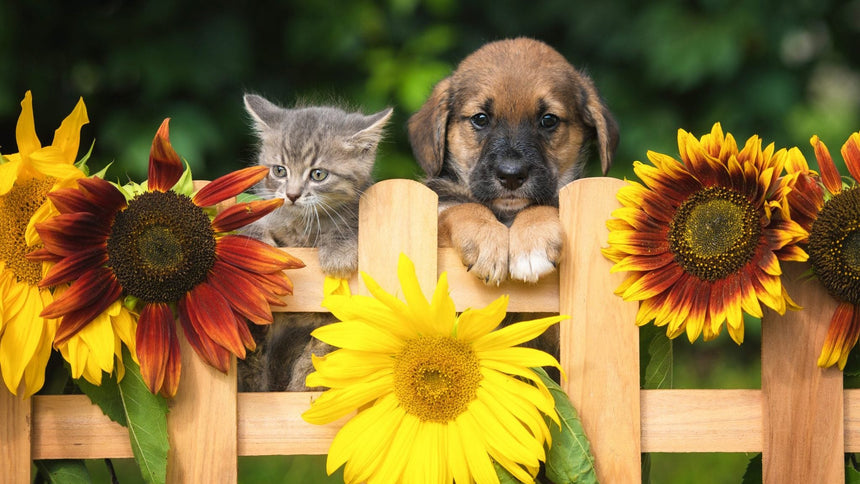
[703, 238]
[834, 245]
[160, 250]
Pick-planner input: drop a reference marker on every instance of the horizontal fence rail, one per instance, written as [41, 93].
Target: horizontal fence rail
[801, 419]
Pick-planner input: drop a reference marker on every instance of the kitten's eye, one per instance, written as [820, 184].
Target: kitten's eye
[318, 174]
[548, 121]
[279, 171]
[480, 120]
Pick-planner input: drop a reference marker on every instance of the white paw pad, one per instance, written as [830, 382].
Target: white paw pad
[531, 266]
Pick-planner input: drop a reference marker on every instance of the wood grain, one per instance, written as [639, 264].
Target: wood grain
[15, 435]
[202, 423]
[701, 420]
[397, 216]
[600, 342]
[803, 404]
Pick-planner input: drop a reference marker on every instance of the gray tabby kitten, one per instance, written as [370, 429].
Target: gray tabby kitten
[320, 161]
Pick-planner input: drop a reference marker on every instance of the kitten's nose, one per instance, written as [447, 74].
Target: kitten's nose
[293, 196]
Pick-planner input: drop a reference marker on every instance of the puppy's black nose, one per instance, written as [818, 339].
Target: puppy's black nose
[511, 174]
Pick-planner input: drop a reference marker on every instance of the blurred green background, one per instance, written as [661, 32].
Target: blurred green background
[782, 70]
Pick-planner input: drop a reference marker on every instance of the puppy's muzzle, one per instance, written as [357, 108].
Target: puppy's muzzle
[511, 173]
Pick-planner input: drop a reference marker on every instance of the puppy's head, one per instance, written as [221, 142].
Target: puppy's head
[512, 124]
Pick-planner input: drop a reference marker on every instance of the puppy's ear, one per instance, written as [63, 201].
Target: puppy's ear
[428, 129]
[597, 115]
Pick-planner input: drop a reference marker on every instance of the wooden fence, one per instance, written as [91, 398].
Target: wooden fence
[801, 419]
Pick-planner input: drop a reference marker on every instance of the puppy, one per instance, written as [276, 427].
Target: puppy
[497, 140]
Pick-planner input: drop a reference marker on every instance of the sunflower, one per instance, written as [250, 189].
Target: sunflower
[834, 244]
[160, 251]
[26, 178]
[703, 238]
[439, 396]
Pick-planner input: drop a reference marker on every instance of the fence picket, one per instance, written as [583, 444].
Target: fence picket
[803, 404]
[15, 436]
[600, 343]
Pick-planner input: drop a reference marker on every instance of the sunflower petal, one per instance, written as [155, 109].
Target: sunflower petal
[254, 256]
[25, 130]
[841, 336]
[358, 336]
[153, 343]
[515, 334]
[68, 234]
[213, 353]
[829, 175]
[68, 136]
[85, 299]
[242, 295]
[173, 366]
[653, 283]
[851, 155]
[74, 266]
[165, 167]
[211, 314]
[339, 402]
[241, 214]
[229, 185]
[476, 323]
[20, 338]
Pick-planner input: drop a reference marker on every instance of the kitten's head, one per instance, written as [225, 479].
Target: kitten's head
[317, 156]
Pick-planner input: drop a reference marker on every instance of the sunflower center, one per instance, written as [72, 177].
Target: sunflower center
[435, 378]
[834, 246]
[16, 209]
[714, 233]
[161, 246]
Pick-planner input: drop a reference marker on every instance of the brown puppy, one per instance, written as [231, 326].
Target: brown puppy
[497, 140]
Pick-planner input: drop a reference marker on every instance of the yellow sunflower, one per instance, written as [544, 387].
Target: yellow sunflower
[439, 396]
[703, 238]
[834, 244]
[26, 178]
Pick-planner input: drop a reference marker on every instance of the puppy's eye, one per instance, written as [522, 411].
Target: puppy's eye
[279, 171]
[480, 120]
[548, 121]
[318, 174]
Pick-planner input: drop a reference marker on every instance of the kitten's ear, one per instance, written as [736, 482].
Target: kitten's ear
[368, 137]
[261, 110]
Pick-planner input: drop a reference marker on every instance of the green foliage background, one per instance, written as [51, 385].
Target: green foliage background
[784, 70]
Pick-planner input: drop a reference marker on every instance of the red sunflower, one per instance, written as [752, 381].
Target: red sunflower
[703, 238]
[834, 245]
[161, 251]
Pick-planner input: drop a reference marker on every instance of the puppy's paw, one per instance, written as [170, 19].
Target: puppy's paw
[536, 241]
[480, 239]
[485, 253]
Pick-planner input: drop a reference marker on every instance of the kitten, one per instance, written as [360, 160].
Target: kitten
[320, 161]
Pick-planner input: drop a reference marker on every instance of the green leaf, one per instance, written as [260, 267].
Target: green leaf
[569, 458]
[246, 197]
[82, 163]
[101, 173]
[64, 471]
[185, 184]
[658, 370]
[852, 475]
[753, 472]
[106, 396]
[505, 477]
[131, 404]
[147, 422]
